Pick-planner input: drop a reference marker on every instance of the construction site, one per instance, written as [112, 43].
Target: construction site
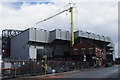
[36, 51]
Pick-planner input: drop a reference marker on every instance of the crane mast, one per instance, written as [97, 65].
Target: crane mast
[72, 26]
[72, 22]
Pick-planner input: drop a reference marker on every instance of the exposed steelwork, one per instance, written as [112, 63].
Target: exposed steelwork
[7, 34]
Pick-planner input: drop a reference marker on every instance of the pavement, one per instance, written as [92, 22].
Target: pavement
[102, 73]
[109, 72]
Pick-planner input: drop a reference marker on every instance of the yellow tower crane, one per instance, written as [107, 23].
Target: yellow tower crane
[70, 9]
[72, 26]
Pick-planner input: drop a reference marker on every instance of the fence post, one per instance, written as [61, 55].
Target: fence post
[30, 67]
[1, 70]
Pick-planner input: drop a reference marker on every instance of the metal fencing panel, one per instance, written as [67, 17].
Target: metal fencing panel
[31, 68]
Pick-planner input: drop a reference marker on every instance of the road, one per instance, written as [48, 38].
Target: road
[108, 73]
[97, 73]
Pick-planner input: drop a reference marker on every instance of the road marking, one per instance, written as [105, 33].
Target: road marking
[71, 75]
[64, 76]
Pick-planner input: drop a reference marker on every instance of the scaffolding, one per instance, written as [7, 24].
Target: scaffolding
[7, 34]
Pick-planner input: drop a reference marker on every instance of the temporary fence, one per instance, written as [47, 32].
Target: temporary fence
[32, 68]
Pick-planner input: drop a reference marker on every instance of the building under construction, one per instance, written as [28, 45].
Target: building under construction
[33, 51]
[34, 44]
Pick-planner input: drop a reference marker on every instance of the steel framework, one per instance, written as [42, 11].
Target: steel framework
[7, 34]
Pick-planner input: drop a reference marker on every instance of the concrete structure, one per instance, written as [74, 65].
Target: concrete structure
[34, 43]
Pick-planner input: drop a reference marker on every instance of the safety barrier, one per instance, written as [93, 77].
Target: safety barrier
[31, 68]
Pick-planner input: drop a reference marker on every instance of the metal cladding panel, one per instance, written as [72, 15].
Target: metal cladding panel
[97, 37]
[106, 39]
[66, 48]
[19, 46]
[80, 34]
[102, 38]
[85, 34]
[68, 34]
[40, 35]
[39, 47]
[32, 52]
[58, 51]
[58, 34]
[76, 34]
[32, 32]
[63, 35]
[47, 36]
[92, 36]
[111, 44]
[52, 36]
[112, 49]
[109, 39]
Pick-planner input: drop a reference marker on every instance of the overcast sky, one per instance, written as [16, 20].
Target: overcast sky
[96, 16]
